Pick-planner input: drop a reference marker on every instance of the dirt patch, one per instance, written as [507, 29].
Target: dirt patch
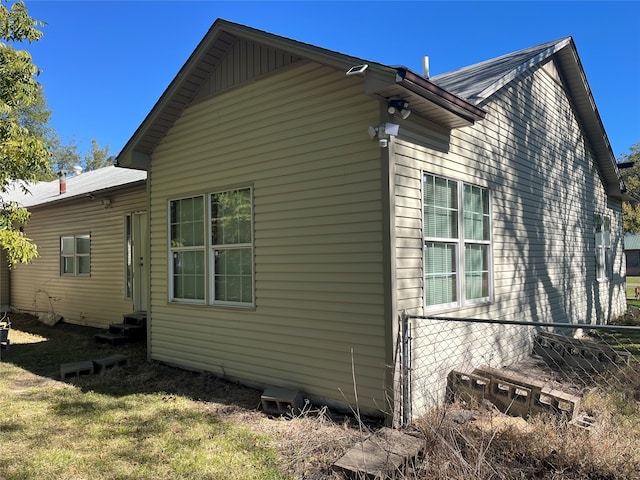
[28, 381]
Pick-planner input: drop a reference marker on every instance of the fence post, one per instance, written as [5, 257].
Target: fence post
[405, 328]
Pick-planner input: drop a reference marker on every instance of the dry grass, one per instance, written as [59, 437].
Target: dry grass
[153, 421]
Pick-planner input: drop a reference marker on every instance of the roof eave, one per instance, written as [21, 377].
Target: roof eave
[441, 97]
[91, 195]
[135, 155]
[575, 78]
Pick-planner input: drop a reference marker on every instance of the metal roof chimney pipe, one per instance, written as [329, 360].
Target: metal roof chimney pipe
[425, 67]
[62, 178]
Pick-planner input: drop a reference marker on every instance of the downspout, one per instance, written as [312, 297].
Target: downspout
[393, 374]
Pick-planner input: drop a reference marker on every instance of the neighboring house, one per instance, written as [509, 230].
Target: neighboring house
[4, 282]
[295, 211]
[632, 253]
[91, 243]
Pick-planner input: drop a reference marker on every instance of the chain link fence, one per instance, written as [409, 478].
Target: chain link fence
[521, 367]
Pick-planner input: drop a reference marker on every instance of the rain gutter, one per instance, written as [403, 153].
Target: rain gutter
[423, 87]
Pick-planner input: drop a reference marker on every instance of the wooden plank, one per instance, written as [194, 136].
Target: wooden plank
[386, 454]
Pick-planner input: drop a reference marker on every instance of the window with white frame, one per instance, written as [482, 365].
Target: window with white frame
[457, 243]
[214, 267]
[602, 227]
[75, 255]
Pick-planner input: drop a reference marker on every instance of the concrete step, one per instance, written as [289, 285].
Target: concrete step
[135, 318]
[112, 338]
[128, 330]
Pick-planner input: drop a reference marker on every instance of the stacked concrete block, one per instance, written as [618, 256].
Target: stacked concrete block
[576, 353]
[512, 393]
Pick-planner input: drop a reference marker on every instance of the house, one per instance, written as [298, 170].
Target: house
[4, 282]
[299, 200]
[632, 253]
[89, 229]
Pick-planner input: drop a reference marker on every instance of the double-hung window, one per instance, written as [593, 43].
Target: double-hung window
[457, 243]
[211, 244]
[75, 255]
[602, 227]
[186, 225]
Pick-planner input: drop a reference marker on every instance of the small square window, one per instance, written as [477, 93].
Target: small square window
[75, 255]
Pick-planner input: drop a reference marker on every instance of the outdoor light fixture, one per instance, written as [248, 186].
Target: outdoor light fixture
[357, 69]
[400, 107]
[383, 132]
[106, 202]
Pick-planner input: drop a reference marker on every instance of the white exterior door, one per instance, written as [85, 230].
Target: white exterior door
[139, 261]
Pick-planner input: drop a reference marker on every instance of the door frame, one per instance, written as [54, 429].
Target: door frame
[139, 261]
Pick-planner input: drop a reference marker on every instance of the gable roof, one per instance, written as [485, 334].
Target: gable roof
[425, 97]
[453, 99]
[477, 83]
[87, 184]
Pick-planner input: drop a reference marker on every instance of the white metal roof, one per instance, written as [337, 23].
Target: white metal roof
[84, 184]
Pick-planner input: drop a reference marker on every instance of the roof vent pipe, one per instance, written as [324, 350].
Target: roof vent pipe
[62, 178]
[425, 67]
[77, 170]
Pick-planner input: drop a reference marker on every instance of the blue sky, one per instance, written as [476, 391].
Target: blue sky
[105, 63]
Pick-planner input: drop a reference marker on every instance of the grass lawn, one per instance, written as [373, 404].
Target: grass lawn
[144, 421]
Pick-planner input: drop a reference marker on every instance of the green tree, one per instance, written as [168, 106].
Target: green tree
[67, 156]
[24, 155]
[631, 177]
[64, 156]
[98, 157]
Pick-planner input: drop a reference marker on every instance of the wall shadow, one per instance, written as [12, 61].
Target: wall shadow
[45, 348]
[549, 251]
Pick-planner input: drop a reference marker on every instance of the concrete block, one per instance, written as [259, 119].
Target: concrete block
[577, 353]
[467, 386]
[522, 396]
[76, 369]
[281, 401]
[511, 398]
[117, 360]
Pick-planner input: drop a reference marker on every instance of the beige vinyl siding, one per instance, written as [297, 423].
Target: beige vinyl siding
[245, 60]
[97, 300]
[299, 139]
[4, 281]
[522, 156]
[530, 153]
